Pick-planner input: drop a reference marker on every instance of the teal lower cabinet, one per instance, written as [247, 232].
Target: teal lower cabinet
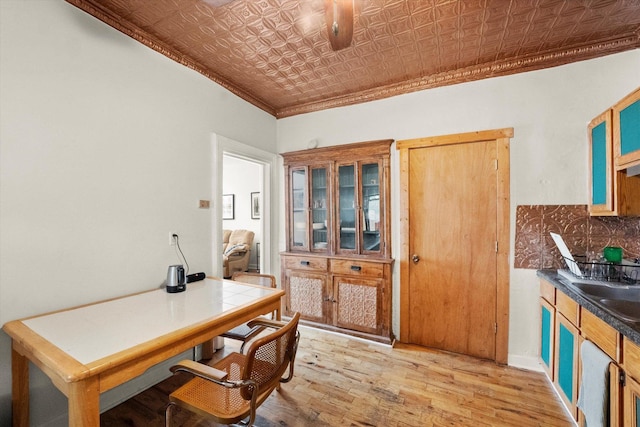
[547, 336]
[632, 403]
[565, 325]
[566, 346]
[566, 362]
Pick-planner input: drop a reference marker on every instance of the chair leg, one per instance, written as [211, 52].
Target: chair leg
[252, 414]
[167, 414]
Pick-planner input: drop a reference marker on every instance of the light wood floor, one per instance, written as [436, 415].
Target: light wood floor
[340, 381]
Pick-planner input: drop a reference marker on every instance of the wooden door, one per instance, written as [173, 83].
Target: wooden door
[454, 274]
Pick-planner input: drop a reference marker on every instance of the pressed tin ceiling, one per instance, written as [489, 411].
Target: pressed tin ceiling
[276, 54]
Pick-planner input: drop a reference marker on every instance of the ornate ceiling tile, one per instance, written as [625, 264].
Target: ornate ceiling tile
[276, 53]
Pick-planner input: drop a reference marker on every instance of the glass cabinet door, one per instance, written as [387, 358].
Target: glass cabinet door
[371, 219]
[299, 217]
[319, 209]
[346, 221]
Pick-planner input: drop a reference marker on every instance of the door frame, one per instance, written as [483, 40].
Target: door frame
[221, 146]
[502, 139]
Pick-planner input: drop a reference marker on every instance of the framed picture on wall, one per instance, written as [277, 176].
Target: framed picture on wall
[228, 206]
[255, 205]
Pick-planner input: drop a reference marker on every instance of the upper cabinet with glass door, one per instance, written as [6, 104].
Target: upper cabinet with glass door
[320, 193]
[298, 209]
[359, 212]
[308, 208]
[346, 209]
[371, 212]
[337, 200]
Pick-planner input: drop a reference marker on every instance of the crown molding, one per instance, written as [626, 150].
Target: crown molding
[476, 72]
[472, 73]
[92, 7]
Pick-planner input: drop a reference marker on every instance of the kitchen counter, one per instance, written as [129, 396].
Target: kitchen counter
[631, 330]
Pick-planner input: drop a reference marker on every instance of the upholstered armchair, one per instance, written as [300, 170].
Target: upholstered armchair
[236, 250]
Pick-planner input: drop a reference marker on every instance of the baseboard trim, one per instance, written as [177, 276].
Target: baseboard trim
[525, 362]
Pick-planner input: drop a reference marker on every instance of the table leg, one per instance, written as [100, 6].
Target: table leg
[20, 389]
[84, 403]
[208, 349]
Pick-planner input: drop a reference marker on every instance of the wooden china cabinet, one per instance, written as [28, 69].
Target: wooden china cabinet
[337, 266]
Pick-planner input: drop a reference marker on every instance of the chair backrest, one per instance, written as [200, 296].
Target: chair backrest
[225, 236]
[269, 356]
[266, 280]
[241, 237]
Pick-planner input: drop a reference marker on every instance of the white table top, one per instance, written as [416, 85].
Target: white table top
[95, 331]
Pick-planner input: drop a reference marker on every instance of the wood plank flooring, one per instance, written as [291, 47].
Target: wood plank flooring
[341, 381]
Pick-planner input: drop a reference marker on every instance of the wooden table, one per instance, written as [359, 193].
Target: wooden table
[90, 349]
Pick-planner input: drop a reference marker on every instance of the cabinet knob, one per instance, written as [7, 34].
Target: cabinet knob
[415, 258]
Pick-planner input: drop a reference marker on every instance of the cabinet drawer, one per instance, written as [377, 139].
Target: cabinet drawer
[568, 307]
[548, 291]
[631, 359]
[305, 263]
[601, 334]
[357, 268]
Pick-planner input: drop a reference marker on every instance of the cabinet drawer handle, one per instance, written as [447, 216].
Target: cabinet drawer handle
[305, 263]
[356, 268]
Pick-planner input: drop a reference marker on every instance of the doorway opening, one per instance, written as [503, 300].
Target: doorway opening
[239, 169]
[242, 190]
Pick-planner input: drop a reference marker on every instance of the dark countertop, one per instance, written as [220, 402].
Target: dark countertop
[630, 330]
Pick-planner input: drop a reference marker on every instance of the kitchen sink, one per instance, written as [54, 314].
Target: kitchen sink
[627, 310]
[609, 291]
[620, 299]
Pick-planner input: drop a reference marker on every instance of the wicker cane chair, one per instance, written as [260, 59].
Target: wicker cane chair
[234, 387]
[243, 332]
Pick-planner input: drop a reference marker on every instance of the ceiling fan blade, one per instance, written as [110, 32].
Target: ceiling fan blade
[339, 18]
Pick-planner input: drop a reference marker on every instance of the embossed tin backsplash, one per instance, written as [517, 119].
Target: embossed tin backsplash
[534, 247]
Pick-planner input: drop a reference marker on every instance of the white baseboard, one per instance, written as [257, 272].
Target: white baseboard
[530, 363]
[533, 364]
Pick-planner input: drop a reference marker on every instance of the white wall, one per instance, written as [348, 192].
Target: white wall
[549, 111]
[105, 149]
[241, 178]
